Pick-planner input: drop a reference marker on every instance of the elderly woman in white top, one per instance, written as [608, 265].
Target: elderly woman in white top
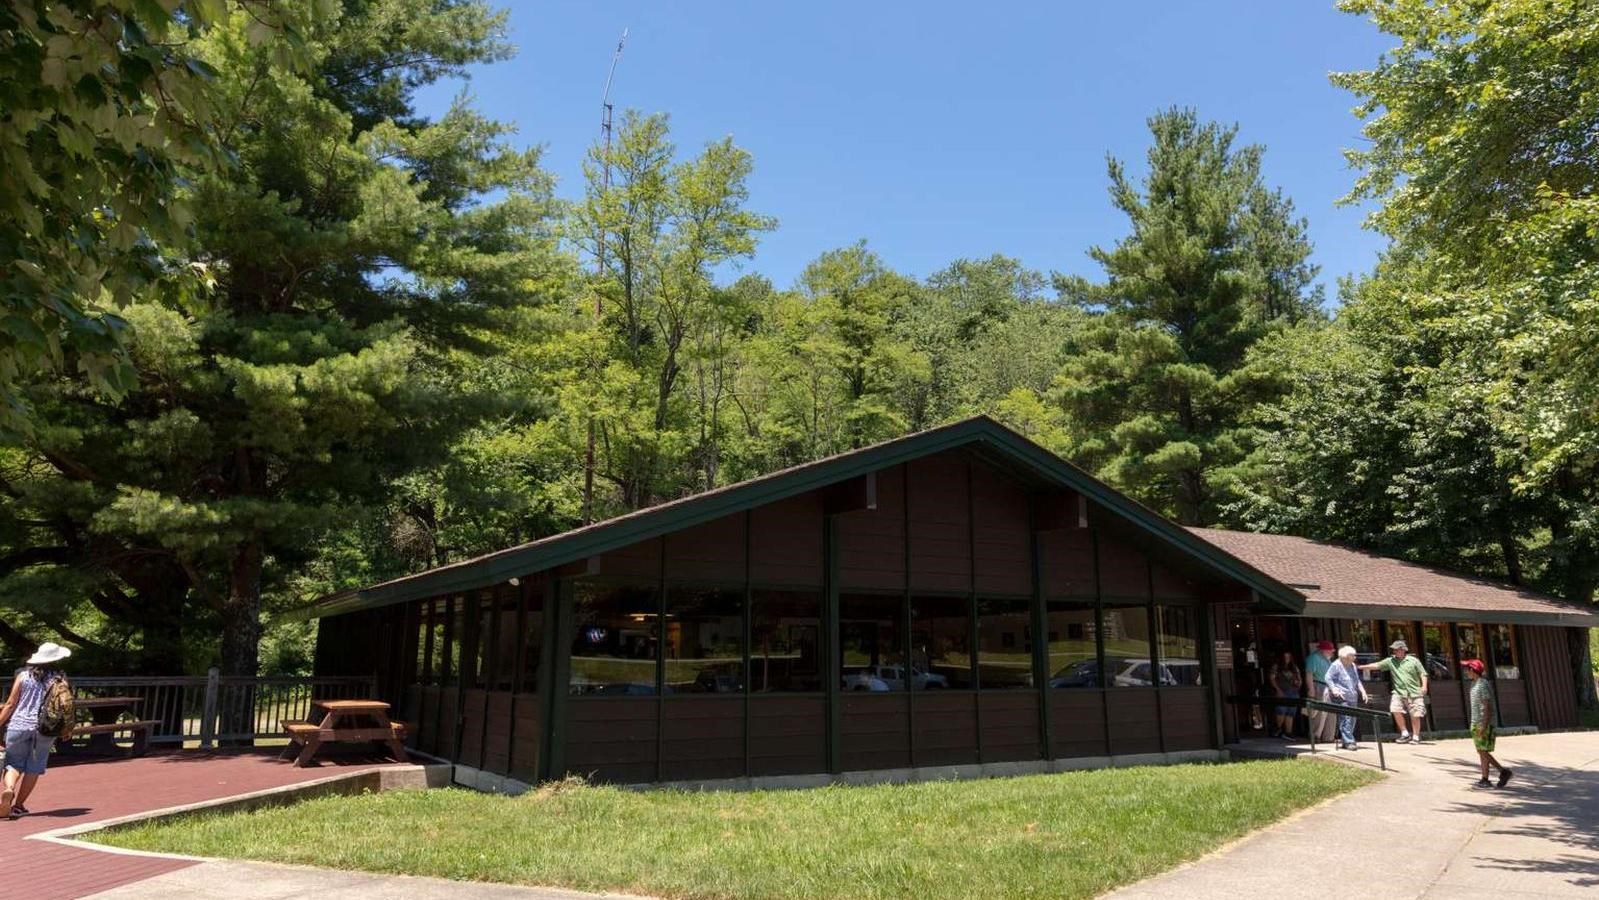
[1345, 688]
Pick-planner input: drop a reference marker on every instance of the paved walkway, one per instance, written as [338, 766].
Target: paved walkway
[266, 881]
[1425, 832]
[90, 790]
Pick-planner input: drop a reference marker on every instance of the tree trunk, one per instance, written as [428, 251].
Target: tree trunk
[241, 613]
[241, 642]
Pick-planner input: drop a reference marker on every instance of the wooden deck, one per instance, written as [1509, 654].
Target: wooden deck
[76, 792]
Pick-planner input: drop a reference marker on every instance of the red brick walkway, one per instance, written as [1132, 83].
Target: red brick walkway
[78, 792]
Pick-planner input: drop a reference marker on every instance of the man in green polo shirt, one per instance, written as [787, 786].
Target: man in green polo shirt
[1409, 696]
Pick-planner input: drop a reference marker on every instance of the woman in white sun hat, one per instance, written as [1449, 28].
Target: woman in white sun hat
[26, 750]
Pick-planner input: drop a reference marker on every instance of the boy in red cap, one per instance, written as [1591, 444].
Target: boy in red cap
[1482, 722]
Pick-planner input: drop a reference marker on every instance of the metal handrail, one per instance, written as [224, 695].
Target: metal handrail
[1377, 717]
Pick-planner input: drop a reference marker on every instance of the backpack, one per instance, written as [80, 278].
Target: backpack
[58, 712]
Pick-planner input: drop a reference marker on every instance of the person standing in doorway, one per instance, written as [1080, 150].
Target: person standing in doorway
[1345, 688]
[26, 749]
[1286, 683]
[1322, 723]
[1482, 723]
[1408, 700]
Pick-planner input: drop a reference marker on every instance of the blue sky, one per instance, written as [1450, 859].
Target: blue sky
[940, 130]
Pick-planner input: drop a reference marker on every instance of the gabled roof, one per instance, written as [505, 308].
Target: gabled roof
[1342, 582]
[980, 433]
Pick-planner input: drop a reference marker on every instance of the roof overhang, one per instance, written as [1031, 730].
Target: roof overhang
[1574, 618]
[981, 433]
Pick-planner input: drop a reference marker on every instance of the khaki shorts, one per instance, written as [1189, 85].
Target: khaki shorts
[1410, 706]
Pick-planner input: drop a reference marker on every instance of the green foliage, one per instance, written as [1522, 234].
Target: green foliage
[1156, 390]
[108, 108]
[1452, 414]
[1070, 835]
[361, 275]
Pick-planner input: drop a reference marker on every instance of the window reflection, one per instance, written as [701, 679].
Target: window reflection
[1126, 635]
[941, 638]
[614, 638]
[704, 640]
[1440, 647]
[1502, 644]
[1073, 658]
[1362, 635]
[1004, 645]
[1176, 631]
[1470, 638]
[871, 629]
[785, 631]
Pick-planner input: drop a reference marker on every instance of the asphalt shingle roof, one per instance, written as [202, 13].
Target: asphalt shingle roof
[1343, 581]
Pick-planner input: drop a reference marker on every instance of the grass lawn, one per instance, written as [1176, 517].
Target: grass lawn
[1067, 835]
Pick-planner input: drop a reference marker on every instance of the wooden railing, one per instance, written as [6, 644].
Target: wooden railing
[212, 708]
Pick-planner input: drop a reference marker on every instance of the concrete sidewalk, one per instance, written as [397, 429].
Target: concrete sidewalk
[1425, 832]
[266, 881]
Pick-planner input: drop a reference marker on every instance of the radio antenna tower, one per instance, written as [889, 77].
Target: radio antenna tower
[605, 182]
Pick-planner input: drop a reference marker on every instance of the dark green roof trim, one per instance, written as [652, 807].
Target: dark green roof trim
[614, 534]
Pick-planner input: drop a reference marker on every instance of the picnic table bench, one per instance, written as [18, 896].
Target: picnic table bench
[105, 713]
[344, 721]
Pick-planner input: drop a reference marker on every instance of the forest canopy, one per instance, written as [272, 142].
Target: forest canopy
[294, 336]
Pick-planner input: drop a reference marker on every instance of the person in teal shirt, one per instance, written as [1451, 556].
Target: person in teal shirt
[1316, 666]
[1409, 696]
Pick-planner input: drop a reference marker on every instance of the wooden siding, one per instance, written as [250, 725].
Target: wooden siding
[1513, 706]
[1123, 570]
[1077, 722]
[1010, 725]
[445, 742]
[874, 731]
[702, 738]
[612, 740]
[640, 560]
[497, 733]
[1133, 720]
[871, 542]
[1001, 540]
[1170, 585]
[786, 542]
[1445, 709]
[526, 734]
[788, 735]
[946, 728]
[1184, 718]
[473, 707]
[940, 528]
[1546, 665]
[1066, 557]
[712, 552]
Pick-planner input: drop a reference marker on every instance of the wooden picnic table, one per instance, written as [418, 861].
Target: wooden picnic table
[104, 714]
[345, 721]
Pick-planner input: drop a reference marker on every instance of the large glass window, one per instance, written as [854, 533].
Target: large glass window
[1362, 635]
[1402, 631]
[454, 627]
[1440, 647]
[871, 635]
[1470, 640]
[785, 635]
[479, 641]
[1177, 635]
[615, 638]
[1502, 645]
[502, 659]
[704, 640]
[1073, 657]
[1126, 633]
[941, 642]
[1004, 644]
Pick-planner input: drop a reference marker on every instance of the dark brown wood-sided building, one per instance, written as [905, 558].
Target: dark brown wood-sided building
[959, 599]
